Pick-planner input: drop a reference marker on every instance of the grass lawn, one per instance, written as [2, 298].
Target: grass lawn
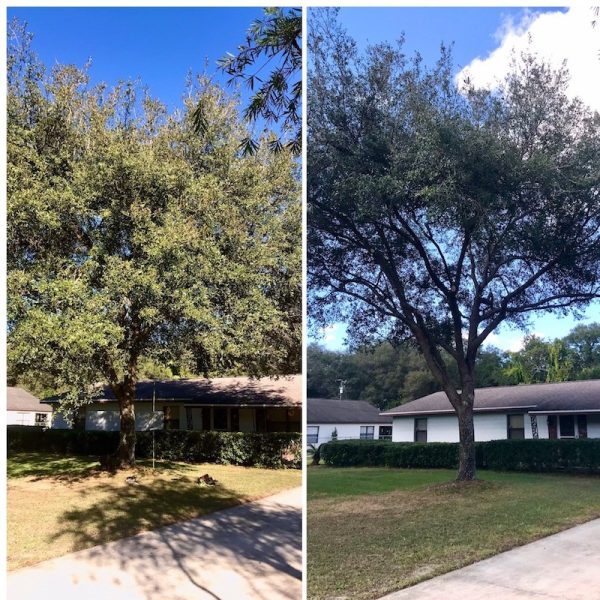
[375, 530]
[58, 504]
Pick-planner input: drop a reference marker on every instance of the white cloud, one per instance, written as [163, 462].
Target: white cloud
[509, 340]
[332, 336]
[556, 36]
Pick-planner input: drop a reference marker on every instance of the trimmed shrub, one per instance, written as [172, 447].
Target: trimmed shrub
[500, 455]
[272, 450]
[539, 455]
[379, 453]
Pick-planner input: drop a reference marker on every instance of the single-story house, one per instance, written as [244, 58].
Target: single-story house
[568, 409]
[24, 408]
[350, 419]
[220, 404]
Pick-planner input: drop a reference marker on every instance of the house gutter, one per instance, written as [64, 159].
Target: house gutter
[453, 412]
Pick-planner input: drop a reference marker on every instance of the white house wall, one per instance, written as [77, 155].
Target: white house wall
[444, 428]
[593, 426]
[403, 429]
[345, 431]
[21, 417]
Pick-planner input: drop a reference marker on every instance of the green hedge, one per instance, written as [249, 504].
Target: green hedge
[273, 450]
[501, 455]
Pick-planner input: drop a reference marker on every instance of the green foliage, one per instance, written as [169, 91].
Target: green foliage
[501, 455]
[273, 450]
[540, 455]
[379, 453]
[277, 94]
[314, 452]
[387, 376]
[382, 374]
[136, 246]
[438, 211]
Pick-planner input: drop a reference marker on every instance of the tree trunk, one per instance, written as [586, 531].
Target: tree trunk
[126, 450]
[466, 453]
[466, 428]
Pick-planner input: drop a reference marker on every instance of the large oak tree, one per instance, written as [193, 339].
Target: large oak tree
[437, 213]
[132, 238]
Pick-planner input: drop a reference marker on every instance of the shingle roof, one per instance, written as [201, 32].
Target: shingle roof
[322, 410]
[20, 399]
[552, 397]
[237, 391]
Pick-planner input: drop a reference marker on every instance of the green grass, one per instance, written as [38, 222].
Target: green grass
[58, 504]
[375, 530]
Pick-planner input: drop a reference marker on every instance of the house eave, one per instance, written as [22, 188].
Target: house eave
[581, 411]
[453, 412]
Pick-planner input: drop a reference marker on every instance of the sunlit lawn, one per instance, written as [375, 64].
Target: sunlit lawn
[61, 504]
[375, 530]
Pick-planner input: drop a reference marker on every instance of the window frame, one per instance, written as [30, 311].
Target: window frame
[418, 430]
[366, 434]
[510, 428]
[310, 437]
[385, 436]
[560, 427]
[225, 414]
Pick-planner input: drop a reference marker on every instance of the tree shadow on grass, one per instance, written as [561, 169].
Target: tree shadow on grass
[251, 539]
[71, 468]
[51, 466]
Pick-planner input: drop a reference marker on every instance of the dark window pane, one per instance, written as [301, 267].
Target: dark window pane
[261, 420]
[385, 432]
[205, 418]
[517, 421]
[516, 427]
[421, 430]
[235, 419]
[567, 426]
[220, 419]
[420, 436]
[582, 426]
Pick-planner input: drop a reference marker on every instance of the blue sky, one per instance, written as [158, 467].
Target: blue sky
[157, 45]
[475, 33]
[472, 30]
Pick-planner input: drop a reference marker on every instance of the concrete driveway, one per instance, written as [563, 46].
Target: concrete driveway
[248, 552]
[564, 566]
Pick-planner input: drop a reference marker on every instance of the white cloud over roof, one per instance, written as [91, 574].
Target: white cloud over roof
[555, 35]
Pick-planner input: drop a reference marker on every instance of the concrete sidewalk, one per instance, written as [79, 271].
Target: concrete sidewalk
[248, 552]
[564, 566]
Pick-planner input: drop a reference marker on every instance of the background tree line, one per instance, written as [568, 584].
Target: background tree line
[387, 375]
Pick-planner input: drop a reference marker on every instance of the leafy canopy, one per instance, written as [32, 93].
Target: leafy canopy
[132, 240]
[439, 211]
[273, 42]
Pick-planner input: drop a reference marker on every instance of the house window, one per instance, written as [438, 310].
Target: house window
[516, 427]
[171, 417]
[582, 426]
[312, 434]
[41, 419]
[567, 426]
[385, 432]
[235, 419]
[367, 432]
[220, 419]
[420, 430]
